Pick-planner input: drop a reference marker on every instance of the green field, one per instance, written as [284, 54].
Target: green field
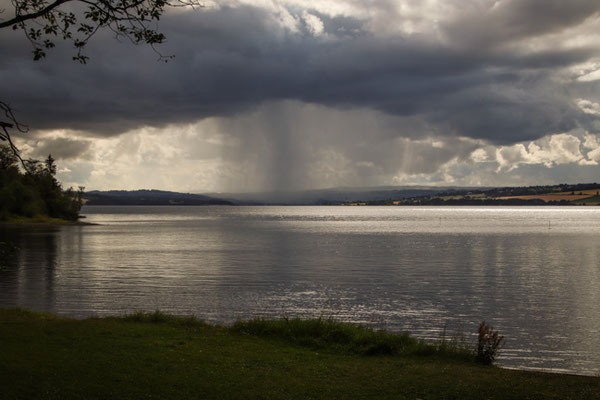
[161, 357]
[592, 199]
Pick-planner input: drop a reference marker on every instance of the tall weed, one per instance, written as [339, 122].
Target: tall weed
[489, 343]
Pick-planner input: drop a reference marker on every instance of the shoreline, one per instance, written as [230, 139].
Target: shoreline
[41, 222]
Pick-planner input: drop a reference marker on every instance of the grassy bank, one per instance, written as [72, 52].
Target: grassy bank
[158, 356]
[39, 221]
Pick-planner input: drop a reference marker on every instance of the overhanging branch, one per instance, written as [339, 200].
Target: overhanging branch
[25, 17]
[11, 123]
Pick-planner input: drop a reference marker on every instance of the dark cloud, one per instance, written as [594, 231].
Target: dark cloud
[473, 81]
[61, 148]
[507, 22]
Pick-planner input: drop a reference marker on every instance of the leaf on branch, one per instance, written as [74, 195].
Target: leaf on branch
[85, 28]
[38, 54]
[131, 19]
[34, 33]
[50, 29]
[79, 43]
[80, 58]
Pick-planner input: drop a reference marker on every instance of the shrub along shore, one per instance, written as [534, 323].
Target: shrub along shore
[160, 356]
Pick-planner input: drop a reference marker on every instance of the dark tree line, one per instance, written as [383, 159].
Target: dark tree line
[34, 191]
[44, 22]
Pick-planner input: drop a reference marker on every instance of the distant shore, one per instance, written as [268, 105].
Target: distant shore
[562, 194]
[160, 356]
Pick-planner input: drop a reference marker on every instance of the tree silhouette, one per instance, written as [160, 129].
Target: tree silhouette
[37, 192]
[77, 21]
[10, 122]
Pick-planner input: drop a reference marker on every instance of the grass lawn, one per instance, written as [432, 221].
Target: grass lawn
[162, 357]
[39, 221]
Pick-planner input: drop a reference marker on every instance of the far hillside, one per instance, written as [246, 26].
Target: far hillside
[149, 198]
[580, 197]
[563, 194]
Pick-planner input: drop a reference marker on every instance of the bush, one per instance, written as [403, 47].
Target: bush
[488, 344]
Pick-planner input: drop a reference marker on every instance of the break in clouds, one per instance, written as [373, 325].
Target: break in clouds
[303, 94]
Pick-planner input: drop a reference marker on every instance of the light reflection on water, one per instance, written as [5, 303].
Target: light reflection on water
[533, 272]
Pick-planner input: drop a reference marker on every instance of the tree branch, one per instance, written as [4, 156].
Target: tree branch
[22, 18]
[5, 135]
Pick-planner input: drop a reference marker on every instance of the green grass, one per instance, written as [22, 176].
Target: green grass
[164, 357]
[592, 199]
[341, 337]
[39, 220]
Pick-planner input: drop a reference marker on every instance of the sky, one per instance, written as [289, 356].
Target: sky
[287, 95]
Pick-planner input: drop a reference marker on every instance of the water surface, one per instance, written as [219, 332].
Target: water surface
[533, 272]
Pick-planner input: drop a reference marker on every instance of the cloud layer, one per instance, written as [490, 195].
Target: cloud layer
[303, 94]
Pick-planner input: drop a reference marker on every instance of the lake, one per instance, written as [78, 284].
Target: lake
[533, 273]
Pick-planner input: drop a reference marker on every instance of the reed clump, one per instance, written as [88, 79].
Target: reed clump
[489, 343]
[158, 317]
[327, 333]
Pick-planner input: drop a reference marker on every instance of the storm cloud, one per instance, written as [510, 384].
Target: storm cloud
[386, 88]
[62, 148]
